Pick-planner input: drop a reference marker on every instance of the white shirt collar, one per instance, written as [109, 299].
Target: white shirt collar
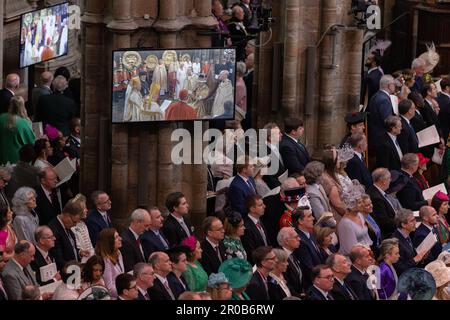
[62, 224]
[11, 91]
[357, 153]
[339, 280]
[142, 291]
[15, 261]
[429, 102]
[162, 279]
[429, 228]
[308, 235]
[243, 178]
[325, 294]
[379, 189]
[362, 272]
[289, 252]
[406, 119]
[292, 138]
[386, 92]
[373, 69]
[212, 243]
[392, 137]
[180, 220]
[255, 221]
[43, 253]
[136, 236]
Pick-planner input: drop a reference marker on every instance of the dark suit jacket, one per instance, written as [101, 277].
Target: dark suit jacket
[387, 155]
[325, 254]
[131, 253]
[275, 291]
[358, 283]
[419, 235]
[444, 114]
[339, 293]
[175, 285]
[239, 190]
[247, 14]
[5, 98]
[407, 138]
[252, 238]
[63, 251]
[296, 282]
[37, 263]
[411, 195]
[210, 261]
[36, 94]
[407, 254]
[174, 232]
[272, 180]
[158, 291]
[256, 289]
[371, 84]
[308, 256]
[151, 242]
[270, 219]
[95, 224]
[383, 213]
[45, 209]
[295, 156]
[430, 117]
[315, 295]
[356, 169]
[379, 108]
[57, 110]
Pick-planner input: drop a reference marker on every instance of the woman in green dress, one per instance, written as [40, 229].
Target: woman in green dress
[15, 131]
[234, 230]
[195, 275]
[239, 273]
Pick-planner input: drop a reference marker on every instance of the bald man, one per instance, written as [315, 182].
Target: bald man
[43, 89]
[12, 83]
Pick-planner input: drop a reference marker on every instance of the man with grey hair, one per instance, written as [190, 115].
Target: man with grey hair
[357, 279]
[411, 196]
[132, 251]
[44, 240]
[11, 86]
[42, 90]
[162, 266]
[418, 68]
[389, 152]
[56, 109]
[145, 276]
[99, 218]
[409, 257]
[341, 267]
[379, 108]
[289, 241]
[383, 209]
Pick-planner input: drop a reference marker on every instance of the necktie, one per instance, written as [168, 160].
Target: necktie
[389, 201]
[250, 186]
[163, 241]
[72, 243]
[185, 228]
[48, 260]
[413, 133]
[344, 286]
[169, 291]
[3, 196]
[261, 231]
[105, 217]
[218, 253]
[28, 275]
[329, 297]
[146, 296]
[296, 265]
[55, 201]
[408, 239]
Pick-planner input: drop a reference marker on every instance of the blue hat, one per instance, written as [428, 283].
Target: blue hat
[215, 279]
[238, 271]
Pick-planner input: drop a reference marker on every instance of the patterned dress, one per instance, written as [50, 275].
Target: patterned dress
[234, 248]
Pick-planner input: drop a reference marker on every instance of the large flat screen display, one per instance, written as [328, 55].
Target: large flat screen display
[44, 34]
[154, 85]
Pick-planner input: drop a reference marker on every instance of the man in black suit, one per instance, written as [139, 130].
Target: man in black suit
[276, 167]
[289, 241]
[131, 250]
[389, 152]
[213, 249]
[430, 223]
[177, 282]
[371, 80]
[100, 217]
[162, 266]
[356, 167]
[411, 196]
[177, 226]
[45, 241]
[145, 276]
[357, 279]
[323, 280]
[56, 109]
[443, 99]
[409, 143]
[308, 252]
[126, 287]
[341, 267]
[11, 86]
[49, 200]
[42, 90]
[153, 239]
[242, 186]
[65, 248]
[255, 234]
[429, 113]
[383, 209]
[293, 153]
[265, 260]
[379, 108]
[409, 257]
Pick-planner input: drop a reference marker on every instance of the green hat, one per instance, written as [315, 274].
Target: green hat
[238, 272]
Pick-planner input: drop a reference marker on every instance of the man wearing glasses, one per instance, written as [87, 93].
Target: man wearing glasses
[126, 287]
[99, 218]
[323, 281]
[45, 241]
[213, 249]
[145, 276]
[265, 260]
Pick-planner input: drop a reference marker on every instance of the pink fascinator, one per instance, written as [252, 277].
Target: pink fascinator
[51, 132]
[190, 242]
[441, 196]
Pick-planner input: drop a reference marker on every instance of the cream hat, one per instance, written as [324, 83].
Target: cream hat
[439, 271]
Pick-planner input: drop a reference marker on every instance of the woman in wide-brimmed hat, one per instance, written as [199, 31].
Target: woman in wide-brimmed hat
[441, 275]
[239, 273]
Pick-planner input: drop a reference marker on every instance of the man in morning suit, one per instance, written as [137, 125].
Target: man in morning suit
[430, 223]
[265, 261]
[153, 239]
[371, 80]
[289, 241]
[44, 89]
[65, 248]
[242, 185]
[145, 276]
[132, 251]
[162, 266]
[45, 241]
[357, 279]
[323, 280]
[383, 209]
[389, 152]
[443, 99]
[379, 108]
[177, 226]
[213, 249]
[17, 272]
[48, 197]
[100, 217]
[409, 257]
[293, 153]
[356, 167]
[409, 143]
[411, 196]
[255, 234]
[341, 267]
[11, 86]
[273, 140]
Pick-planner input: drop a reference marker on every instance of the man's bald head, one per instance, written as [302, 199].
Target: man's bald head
[46, 78]
[12, 81]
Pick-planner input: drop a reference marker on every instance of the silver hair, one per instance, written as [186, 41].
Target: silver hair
[313, 171]
[280, 254]
[5, 173]
[417, 63]
[401, 217]
[60, 83]
[241, 68]
[139, 268]
[386, 80]
[352, 195]
[154, 258]
[138, 215]
[380, 174]
[20, 199]
[12, 80]
[39, 232]
[289, 183]
[283, 235]
[409, 160]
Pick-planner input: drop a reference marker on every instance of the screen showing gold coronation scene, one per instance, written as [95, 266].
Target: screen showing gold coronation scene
[173, 85]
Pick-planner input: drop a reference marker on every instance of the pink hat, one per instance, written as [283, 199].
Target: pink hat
[422, 159]
[441, 196]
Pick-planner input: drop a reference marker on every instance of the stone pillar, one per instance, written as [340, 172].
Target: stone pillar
[168, 10]
[203, 8]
